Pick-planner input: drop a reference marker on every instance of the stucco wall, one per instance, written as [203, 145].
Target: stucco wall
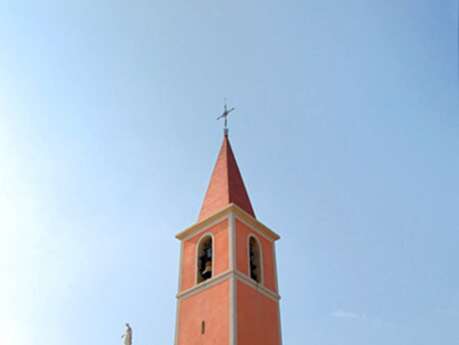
[211, 306]
[258, 318]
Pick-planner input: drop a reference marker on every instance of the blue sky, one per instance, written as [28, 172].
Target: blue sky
[346, 132]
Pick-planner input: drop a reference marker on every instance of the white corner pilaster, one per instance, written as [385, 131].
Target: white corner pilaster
[233, 282]
[232, 241]
[177, 313]
[276, 278]
[233, 310]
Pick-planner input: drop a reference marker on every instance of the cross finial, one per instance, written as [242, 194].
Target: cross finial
[225, 115]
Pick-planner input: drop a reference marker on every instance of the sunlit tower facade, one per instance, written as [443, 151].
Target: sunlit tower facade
[228, 288]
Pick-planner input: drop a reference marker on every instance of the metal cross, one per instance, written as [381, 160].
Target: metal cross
[225, 116]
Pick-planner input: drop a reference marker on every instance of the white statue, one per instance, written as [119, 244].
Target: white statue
[127, 336]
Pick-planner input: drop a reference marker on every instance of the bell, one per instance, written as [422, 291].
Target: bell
[208, 268]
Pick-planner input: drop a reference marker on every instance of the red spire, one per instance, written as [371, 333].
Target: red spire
[226, 185]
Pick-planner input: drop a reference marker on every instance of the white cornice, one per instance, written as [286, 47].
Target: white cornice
[222, 215]
[265, 291]
[225, 276]
[204, 285]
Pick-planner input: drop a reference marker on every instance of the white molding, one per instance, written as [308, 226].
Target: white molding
[204, 285]
[254, 229]
[223, 213]
[279, 323]
[177, 316]
[276, 278]
[180, 266]
[196, 256]
[248, 281]
[233, 289]
[223, 276]
[260, 250]
[177, 321]
[232, 241]
[205, 227]
[233, 310]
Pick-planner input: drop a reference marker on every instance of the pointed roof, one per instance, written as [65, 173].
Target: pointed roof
[226, 185]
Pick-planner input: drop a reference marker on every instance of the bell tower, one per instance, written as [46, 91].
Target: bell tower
[228, 292]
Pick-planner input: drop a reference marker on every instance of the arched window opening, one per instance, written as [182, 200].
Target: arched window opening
[255, 261]
[205, 258]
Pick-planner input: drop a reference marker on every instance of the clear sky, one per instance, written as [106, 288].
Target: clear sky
[346, 132]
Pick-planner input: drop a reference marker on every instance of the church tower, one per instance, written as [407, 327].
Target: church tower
[228, 292]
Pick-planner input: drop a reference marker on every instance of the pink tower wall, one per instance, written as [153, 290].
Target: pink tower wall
[257, 317]
[212, 307]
